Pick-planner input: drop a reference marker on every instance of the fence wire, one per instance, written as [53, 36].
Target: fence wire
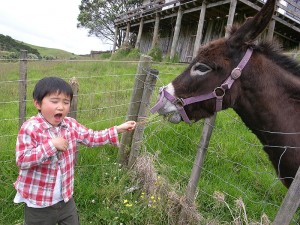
[103, 100]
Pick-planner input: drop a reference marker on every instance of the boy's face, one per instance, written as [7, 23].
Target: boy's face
[54, 107]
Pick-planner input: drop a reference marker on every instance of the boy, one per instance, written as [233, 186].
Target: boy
[45, 154]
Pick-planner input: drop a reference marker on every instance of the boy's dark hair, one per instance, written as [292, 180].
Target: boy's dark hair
[50, 85]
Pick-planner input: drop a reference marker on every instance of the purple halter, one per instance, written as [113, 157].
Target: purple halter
[180, 102]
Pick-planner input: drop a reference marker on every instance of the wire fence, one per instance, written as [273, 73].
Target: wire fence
[104, 99]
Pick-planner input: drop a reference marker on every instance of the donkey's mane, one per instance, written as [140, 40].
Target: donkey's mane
[273, 51]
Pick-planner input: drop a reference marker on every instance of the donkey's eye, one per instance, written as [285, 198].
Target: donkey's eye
[200, 69]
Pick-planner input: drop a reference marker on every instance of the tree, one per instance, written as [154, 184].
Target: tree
[98, 16]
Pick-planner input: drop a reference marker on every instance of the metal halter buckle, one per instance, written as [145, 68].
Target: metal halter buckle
[236, 73]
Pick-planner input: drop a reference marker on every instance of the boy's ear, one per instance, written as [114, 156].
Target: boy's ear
[37, 104]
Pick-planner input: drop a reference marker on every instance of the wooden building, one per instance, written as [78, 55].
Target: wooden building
[179, 27]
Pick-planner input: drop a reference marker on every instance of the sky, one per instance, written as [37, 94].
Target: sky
[48, 23]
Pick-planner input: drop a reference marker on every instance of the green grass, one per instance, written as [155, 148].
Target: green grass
[235, 165]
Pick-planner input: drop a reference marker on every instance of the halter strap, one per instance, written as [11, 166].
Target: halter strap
[180, 102]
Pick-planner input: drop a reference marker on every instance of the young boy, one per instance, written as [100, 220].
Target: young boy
[45, 155]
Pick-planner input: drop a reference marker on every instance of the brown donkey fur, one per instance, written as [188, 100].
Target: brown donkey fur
[266, 96]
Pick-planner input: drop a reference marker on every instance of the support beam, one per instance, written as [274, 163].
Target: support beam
[138, 40]
[126, 40]
[231, 15]
[176, 33]
[155, 32]
[115, 39]
[271, 29]
[200, 29]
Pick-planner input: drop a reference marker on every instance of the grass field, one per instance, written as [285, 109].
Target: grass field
[237, 181]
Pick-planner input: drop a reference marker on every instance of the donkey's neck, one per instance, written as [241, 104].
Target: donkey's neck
[271, 109]
[269, 98]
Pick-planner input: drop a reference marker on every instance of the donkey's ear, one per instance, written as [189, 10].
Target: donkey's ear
[253, 26]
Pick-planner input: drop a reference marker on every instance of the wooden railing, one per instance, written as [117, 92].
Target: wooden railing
[149, 9]
[288, 8]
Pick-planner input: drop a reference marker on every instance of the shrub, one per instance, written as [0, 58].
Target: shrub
[134, 54]
[105, 55]
[120, 54]
[176, 59]
[32, 56]
[156, 54]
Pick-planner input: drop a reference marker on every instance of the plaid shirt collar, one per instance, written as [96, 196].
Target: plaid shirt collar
[46, 125]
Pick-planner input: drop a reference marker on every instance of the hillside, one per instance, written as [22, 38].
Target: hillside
[10, 49]
[52, 52]
[8, 44]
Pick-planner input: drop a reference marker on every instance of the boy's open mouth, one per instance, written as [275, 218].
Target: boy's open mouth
[58, 116]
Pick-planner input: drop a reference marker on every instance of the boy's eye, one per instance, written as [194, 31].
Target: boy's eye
[67, 102]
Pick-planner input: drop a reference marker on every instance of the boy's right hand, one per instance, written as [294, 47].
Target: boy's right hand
[60, 143]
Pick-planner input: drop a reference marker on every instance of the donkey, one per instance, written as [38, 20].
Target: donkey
[260, 83]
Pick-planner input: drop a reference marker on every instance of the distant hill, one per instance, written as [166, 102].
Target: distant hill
[8, 44]
[10, 49]
[55, 53]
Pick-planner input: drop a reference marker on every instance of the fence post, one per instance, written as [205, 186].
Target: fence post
[290, 203]
[73, 109]
[75, 87]
[22, 87]
[139, 130]
[132, 114]
[198, 163]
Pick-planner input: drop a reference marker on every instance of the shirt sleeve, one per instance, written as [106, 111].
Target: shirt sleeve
[93, 138]
[30, 151]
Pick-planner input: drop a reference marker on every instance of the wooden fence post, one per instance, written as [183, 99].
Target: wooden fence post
[132, 114]
[198, 163]
[22, 87]
[139, 130]
[73, 110]
[75, 87]
[290, 203]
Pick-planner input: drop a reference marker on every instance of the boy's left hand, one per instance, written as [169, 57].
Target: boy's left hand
[127, 126]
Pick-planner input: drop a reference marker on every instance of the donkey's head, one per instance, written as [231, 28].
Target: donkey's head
[206, 84]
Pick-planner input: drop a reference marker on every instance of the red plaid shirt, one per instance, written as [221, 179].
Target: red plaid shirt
[38, 159]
